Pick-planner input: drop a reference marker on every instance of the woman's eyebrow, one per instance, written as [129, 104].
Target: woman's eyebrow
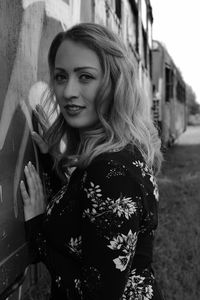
[76, 69]
[85, 67]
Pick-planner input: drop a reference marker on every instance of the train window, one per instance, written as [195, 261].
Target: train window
[132, 25]
[169, 83]
[145, 48]
[172, 84]
[180, 92]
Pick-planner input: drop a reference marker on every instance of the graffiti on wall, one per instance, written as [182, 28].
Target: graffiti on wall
[32, 26]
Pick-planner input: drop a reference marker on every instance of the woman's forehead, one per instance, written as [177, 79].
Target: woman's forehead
[74, 54]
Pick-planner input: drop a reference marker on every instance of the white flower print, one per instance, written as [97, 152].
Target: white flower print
[77, 283]
[144, 168]
[137, 288]
[58, 281]
[121, 262]
[56, 199]
[123, 206]
[155, 192]
[148, 292]
[126, 244]
[116, 169]
[147, 171]
[93, 191]
[75, 245]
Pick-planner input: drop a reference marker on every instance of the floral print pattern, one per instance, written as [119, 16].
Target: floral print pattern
[155, 192]
[146, 171]
[99, 223]
[56, 199]
[122, 206]
[138, 287]
[74, 245]
[127, 246]
[116, 169]
[77, 283]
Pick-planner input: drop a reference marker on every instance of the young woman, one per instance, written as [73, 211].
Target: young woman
[96, 234]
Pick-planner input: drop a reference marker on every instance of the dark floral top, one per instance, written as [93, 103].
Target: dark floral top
[96, 237]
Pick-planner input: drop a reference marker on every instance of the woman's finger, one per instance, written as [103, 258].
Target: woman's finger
[25, 195]
[35, 178]
[30, 182]
[32, 173]
[34, 200]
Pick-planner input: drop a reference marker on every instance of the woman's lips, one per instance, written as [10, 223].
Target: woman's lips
[74, 109]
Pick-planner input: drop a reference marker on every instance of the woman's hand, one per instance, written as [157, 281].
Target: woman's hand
[34, 200]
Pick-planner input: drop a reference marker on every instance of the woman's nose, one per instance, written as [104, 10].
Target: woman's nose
[71, 88]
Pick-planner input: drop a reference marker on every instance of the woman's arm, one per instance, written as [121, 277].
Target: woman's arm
[110, 226]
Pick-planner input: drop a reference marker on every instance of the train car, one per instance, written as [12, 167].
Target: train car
[27, 29]
[169, 95]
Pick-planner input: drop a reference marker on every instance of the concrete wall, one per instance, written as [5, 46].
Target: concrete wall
[27, 29]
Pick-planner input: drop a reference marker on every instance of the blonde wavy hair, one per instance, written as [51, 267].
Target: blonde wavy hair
[126, 120]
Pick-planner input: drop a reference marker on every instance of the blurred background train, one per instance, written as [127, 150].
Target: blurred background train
[27, 29]
[169, 96]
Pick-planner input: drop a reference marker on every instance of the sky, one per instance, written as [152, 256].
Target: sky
[177, 24]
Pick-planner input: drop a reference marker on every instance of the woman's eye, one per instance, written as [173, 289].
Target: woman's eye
[59, 78]
[86, 77]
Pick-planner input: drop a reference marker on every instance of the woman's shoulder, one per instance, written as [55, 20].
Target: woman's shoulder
[127, 155]
[129, 160]
[126, 169]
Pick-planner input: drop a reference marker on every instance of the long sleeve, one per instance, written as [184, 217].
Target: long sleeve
[110, 226]
[48, 239]
[40, 246]
[96, 234]
[33, 232]
[52, 182]
[63, 268]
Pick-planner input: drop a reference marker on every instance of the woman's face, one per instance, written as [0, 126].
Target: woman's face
[77, 78]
